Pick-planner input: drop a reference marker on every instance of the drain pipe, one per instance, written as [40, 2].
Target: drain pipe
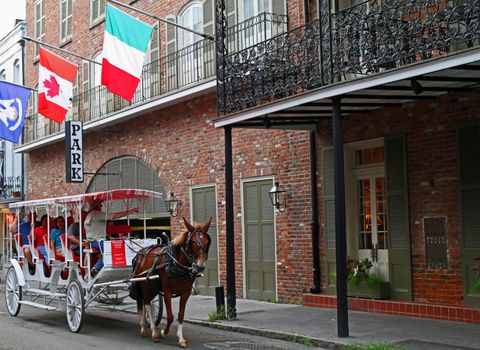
[314, 208]
[306, 11]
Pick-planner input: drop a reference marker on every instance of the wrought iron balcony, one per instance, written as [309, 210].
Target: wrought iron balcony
[362, 40]
[191, 65]
[10, 188]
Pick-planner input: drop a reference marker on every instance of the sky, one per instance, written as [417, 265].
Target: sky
[11, 10]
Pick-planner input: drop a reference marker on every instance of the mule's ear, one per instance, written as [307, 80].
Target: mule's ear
[207, 225]
[188, 224]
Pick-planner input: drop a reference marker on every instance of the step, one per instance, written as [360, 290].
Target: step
[38, 306]
[44, 292]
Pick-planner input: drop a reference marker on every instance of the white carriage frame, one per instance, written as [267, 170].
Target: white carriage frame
[75, 293]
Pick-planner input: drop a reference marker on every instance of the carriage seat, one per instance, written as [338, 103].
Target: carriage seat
[19, 245]
[67, 252]
[117, 231]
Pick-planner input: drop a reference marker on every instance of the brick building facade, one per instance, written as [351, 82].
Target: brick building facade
[176, 134]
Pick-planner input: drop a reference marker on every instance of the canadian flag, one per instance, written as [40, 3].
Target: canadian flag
[56, 77]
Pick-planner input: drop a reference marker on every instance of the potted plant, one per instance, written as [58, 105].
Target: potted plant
[365, 284]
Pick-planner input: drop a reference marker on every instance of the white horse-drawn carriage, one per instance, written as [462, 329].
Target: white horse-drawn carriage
[62, 281]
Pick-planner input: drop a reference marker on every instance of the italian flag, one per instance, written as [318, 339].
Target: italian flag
[124, 48]
[56, 77]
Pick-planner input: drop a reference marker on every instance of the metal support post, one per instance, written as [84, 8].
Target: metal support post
[340, 221]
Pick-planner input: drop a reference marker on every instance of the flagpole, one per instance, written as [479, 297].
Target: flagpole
[22, 86]
[59, 49]
[206, 36]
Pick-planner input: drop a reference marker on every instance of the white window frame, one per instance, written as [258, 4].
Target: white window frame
[100, 11]
[67, 21]
[254, 35]
[194, 58]
[17, 77]
[40, 20]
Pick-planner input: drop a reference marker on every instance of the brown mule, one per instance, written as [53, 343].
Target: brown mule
[177, 266]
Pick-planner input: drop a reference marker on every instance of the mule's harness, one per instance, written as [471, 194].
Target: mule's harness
[173, 267]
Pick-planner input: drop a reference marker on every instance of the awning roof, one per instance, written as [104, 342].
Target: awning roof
[458, 72]
[81, 198]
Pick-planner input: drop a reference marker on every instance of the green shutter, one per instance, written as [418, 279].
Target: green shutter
[329, 214]
[172, 74]
[259, 241]
[209, 28]
[204, 206]
[469, 163]
[398, 218]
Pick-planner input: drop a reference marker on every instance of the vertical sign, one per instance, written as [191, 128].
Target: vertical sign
[74, 151]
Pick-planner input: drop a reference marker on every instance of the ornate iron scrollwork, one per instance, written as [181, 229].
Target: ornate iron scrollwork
[362, 40]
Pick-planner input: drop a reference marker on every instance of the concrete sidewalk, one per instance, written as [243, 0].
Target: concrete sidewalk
[319, 326]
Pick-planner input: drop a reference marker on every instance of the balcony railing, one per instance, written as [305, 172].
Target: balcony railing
[190, 65]
[185, 67]
[10, 188]
[368, 38]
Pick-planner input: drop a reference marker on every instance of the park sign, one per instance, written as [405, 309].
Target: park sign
[74, 151]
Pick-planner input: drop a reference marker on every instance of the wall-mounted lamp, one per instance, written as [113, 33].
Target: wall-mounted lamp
[278, 197]
[172, 204]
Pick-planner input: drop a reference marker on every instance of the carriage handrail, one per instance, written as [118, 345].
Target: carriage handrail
[80, 198]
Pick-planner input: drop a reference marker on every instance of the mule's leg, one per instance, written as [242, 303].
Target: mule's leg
[155, 334]
[181, 312]
[143, 322]
[167, 297]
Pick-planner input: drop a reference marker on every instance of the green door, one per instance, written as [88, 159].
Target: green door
[203, 207]
[259, 241]
[469, 162]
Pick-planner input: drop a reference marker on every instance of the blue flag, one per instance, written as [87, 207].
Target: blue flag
[13, 106]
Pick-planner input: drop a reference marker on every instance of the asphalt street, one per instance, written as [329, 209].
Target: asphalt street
[35, 329]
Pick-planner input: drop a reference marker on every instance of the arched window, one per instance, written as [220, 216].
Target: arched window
[3, 75]
[191, 56]
[130, 172]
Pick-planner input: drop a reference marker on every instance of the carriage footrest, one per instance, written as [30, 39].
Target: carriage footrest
[37, 305]
[44, 292]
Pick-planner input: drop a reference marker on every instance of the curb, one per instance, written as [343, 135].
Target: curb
[290, 337]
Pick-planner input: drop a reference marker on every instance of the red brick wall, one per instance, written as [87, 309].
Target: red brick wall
[185, 150]
[430, 127]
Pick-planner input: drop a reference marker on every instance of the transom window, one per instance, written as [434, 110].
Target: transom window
[369, 156]
[66, 20]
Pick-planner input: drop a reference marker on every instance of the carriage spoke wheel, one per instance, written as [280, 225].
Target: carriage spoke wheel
[157, 306]
[75, 306]
[13, 292]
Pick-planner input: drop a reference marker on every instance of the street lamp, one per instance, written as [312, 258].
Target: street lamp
[172, 204]
[278, 197]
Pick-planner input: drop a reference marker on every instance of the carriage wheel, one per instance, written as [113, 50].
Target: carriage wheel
[13, 292]
[75, 306]
[157, 305]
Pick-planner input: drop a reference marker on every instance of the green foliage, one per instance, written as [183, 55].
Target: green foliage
[218, 314]
[332, 278]
[376, 346]
[476, 288]
[358, 271]
[306, 341]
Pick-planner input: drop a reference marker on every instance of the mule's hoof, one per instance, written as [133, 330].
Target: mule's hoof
[143, 333]
[156, 338]
[162, 333]
[183, 344]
